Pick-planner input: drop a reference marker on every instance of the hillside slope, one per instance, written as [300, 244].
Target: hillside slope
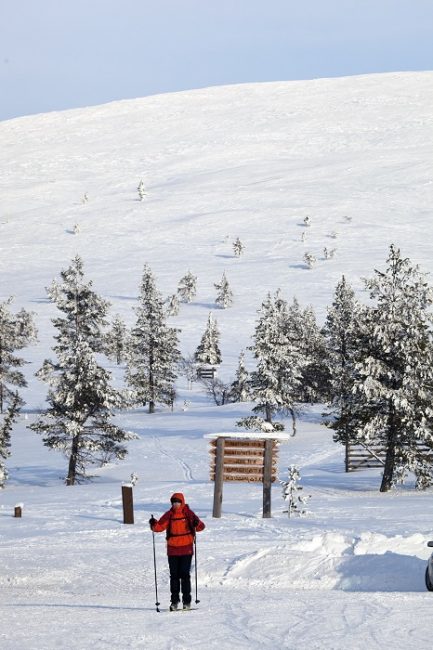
[246, 161]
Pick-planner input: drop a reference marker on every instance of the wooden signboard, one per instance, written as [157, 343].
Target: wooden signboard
[243, 459]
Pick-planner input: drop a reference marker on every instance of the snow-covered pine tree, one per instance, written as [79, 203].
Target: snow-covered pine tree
[116, 341]
[256, 423]
[240, 388]
[17, 331]
[153, 353]
[315, 371]
[187, 287]
[208, 351]
[5, 435]
[225, 295]
[393, 382]
[173, 305]
[81, 400]
[329, 253]
[309, 260]
[238, 247]
[276, 382]
[141, 190]
[292, 493]
[343, 341]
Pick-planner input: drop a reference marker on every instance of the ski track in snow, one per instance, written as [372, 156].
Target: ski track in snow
[187, 473]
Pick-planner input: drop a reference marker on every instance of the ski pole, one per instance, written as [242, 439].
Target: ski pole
[154, 566]
[195, 568]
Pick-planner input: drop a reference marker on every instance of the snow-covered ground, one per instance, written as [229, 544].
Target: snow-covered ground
[246, 161]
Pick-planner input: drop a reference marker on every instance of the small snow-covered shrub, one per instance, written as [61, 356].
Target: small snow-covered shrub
[141, 191]
[291, 493]
[238, 247]
[256, 423]
[309, 260]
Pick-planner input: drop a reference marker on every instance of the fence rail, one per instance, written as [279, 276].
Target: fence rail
[361, 455]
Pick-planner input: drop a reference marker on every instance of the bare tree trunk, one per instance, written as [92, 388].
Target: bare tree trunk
[151, 384]
[388, 472]
[72, 470]
[292, 413]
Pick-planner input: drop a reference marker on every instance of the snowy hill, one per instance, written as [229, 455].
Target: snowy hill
[251, 161]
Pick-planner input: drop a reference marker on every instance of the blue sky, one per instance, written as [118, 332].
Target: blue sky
[58, 54]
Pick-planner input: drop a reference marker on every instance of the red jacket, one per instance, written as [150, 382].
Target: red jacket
[181, 525]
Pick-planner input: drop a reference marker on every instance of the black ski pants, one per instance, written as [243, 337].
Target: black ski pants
[180, 579]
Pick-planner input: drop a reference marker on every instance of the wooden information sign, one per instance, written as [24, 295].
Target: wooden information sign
[243, 460]
[250, 460]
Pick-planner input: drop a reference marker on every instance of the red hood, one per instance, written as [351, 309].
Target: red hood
[178, 495]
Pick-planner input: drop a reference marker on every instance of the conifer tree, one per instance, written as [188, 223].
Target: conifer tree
[240, 388]
[81, 400]
[153, 354]
[393, 382]
[5, 435]
[292, 493]
[225, 295]
[141, 190]
[187, 287]
[276, 382]
[208, 351]
[315, 370]
[310, 260]
[343, 340]
[238, 247]
[116, 341]
[17, 331]
[172, 305]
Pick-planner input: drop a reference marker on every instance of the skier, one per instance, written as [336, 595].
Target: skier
[181, 525]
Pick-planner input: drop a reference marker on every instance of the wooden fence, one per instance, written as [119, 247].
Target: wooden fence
[361, 455]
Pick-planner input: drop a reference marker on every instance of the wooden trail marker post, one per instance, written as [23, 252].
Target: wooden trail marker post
[268, 476]
[219, 478]
[128, 504]
[238, 458]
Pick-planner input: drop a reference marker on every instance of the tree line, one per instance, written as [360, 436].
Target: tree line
[370, 364]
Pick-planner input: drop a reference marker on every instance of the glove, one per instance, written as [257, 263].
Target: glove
[152, 522]
[195, 522]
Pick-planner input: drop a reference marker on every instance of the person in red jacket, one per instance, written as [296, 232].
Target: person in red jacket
[181, 525]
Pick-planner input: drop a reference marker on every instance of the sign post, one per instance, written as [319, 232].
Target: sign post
[128, 504]
[267, 478]
[219, 478]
